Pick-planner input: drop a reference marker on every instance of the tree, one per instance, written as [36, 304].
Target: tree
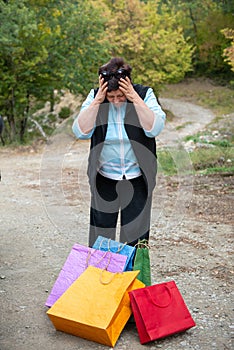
[202, 22]
[211, 43]
[228, 52]
[151, 42]
[20, 55]
[46, 45]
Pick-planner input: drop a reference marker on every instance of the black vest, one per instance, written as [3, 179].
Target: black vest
[144, 147]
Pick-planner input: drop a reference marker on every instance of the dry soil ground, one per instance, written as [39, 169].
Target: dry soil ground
[44, 211]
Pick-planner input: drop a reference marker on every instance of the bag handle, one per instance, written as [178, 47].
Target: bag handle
[142, 243]
[98, 262]
[110, 280]
[109, 251]
[157, 304]
[120, 246]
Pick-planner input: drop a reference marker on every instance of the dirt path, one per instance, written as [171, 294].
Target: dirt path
[44, 211]
[190, 119]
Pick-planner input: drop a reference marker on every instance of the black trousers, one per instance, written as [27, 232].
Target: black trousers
[130, 199]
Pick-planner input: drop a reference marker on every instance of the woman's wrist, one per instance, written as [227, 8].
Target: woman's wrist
[95, 103]
[138, 100]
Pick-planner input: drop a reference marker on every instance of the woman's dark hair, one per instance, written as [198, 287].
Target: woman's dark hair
[113, 70]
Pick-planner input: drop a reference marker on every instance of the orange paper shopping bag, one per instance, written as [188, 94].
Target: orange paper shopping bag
[96, 306]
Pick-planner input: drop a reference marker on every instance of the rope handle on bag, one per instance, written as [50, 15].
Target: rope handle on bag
[98, 262]
[120, 247]
[139, 243]
[110, 280]
[154, 302]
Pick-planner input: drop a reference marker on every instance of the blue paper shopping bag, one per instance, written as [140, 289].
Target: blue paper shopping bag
[107, 244]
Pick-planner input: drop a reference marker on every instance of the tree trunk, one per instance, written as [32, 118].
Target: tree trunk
[23, 124]
[52, 100]
[12, 129]
[11, 116]
[24, 120]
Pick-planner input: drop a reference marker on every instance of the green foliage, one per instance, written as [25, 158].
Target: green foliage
[228, 52]
[218, 169]
[76, 43]
[217, 155]
[221, 143]
[202, 22]
[20, 55]
[195, 138]
[58, 44]
[52, 117]
[46, 45]
[151, 42]
[174, 161]
[207, 158]
[211, 43]
[64, 113]
[166, 163]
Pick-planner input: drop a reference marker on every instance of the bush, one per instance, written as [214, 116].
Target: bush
[217, 158]
[64, 113]
[51, 118]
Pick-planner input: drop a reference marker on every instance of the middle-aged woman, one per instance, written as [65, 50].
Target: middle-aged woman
[122, 120]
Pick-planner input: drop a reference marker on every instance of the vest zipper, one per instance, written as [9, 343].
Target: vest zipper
[120, 126]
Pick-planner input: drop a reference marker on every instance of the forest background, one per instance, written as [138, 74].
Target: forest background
[50, 47]
[50, 51]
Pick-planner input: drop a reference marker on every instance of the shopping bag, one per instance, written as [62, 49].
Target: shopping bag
[107, 244]
[96, 306]
[159, 310]
[77, 261]
[142, 262]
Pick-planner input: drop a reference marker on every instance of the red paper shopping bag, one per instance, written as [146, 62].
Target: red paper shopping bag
[159, 311]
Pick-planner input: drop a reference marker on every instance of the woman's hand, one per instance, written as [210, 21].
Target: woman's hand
[127, 89]
[145, 115]
[101, 94]
[87, 117]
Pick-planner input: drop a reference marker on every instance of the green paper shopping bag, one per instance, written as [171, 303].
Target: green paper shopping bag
[142, 262]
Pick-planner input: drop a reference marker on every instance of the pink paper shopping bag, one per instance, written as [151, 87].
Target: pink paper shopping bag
[77, 262]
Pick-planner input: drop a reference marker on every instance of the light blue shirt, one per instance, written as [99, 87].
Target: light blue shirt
[117, 157]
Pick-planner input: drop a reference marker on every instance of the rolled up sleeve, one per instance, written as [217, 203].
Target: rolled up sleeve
[75, 127]
[160, 116]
